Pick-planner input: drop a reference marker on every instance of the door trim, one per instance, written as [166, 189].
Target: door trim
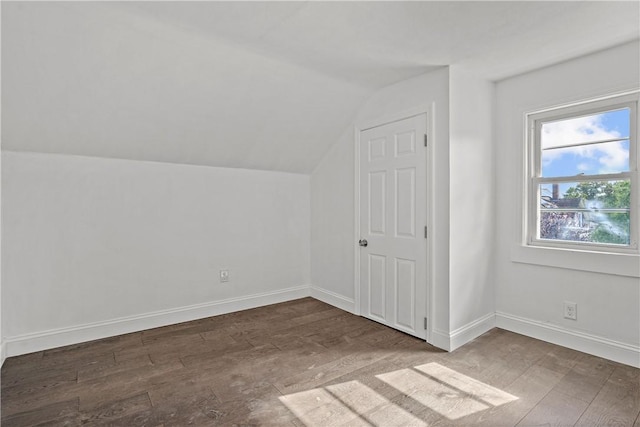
[429, 200]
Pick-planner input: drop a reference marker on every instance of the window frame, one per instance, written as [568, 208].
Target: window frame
[534, 122]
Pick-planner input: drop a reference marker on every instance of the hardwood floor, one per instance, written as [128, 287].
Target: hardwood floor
[306, 363]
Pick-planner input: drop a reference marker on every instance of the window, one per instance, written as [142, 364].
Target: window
[583, 176]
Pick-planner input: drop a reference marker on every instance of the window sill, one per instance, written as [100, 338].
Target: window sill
[597, 262]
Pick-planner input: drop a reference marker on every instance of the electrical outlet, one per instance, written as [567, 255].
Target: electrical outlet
[570, 310]
[224, 275]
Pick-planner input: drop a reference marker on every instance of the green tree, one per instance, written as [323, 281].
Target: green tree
[612, 227]
[591, 190]
[620, 195]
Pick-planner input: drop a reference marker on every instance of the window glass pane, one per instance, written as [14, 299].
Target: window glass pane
[577, 130]
[591, 159]
[591, 212]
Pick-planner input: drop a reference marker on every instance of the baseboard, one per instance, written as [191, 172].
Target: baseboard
[334, 299]
[28, 343]
[449, 341]
[472, 330]
[3, 353]
[587, 343]
[440, 339]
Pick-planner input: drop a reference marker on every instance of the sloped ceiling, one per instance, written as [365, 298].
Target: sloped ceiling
[264, 85]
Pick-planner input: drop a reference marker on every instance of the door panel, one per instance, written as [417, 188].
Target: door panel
[405, 205]
[393, 207]
[377, 206]
[405, 143]
[377, 286]
[405, 292]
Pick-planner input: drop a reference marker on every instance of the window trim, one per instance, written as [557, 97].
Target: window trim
[533, 165]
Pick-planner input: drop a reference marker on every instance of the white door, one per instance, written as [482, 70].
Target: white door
[393, 217]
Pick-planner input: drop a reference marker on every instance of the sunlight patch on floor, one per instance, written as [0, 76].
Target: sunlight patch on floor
[446, 401]
[350, 403]
[318, 407]
[441, 389]
[377, 409]
[476, 389]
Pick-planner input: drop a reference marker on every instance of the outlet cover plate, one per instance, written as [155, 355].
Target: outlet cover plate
[570, 310]
[224, 275]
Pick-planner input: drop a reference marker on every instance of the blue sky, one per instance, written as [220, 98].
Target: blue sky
[612, 157]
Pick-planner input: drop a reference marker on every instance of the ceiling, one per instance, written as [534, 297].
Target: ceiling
[263, 85]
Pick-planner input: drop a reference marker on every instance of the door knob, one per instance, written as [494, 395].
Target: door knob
[363, 243]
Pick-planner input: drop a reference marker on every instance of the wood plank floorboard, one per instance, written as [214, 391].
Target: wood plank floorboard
[305, 363]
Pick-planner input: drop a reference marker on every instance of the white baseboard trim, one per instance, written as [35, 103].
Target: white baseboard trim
[334, 299]
[3, 353]
[472, 330]
[459, 337]
[28, 343]
[598, 346]
[440, 339]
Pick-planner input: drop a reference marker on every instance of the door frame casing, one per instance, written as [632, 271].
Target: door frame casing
[426, 109]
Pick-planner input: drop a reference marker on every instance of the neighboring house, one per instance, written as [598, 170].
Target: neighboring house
[560, 220]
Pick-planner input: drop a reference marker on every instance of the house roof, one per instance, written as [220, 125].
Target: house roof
[264, 85]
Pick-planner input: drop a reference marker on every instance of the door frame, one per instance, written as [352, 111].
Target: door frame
[429, 200]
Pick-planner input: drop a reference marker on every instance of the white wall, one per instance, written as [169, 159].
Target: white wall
[332, 224]
[529, 298]
[88, 242]
[332, 195]
[2, 346]
[472, 212]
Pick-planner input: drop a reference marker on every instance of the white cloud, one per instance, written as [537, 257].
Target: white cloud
[572, 131]
[612, 156]
[615, 159]
[583, 167]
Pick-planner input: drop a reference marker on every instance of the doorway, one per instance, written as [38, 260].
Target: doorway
[392, 219]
